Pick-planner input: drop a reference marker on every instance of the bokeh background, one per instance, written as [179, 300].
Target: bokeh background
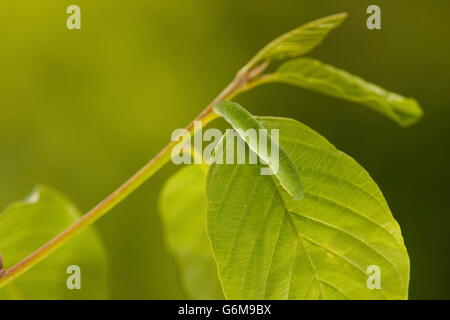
[82, 110]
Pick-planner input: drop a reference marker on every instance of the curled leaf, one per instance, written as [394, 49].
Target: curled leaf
[317, 76]
[298, 41]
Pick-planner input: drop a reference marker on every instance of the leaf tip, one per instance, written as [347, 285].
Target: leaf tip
[340, 17]
[35, 195]
[408, 113]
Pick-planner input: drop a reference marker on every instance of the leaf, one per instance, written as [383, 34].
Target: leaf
[298, 41]
[183, 213]
[268, 246]
[27, 225]
[284, 169]
[317, 76]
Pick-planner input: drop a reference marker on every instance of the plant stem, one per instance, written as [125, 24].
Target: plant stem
[206, 116]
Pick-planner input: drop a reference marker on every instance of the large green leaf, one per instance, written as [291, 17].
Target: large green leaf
[269, 246]
[183, 212]
[27, 225]
[282, 167]
[298, 41]
[315, 75]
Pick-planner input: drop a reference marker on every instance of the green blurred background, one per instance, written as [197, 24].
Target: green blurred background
[82, 110]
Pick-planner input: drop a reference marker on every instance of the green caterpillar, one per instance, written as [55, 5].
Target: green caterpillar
[285, 170]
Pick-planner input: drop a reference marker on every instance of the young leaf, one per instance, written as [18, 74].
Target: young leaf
[27, 225]
[242, 120]
[183, 213]
[268, 246]
[298, 41]
[317, 76]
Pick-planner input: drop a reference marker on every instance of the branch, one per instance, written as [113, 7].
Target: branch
[239, 84]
